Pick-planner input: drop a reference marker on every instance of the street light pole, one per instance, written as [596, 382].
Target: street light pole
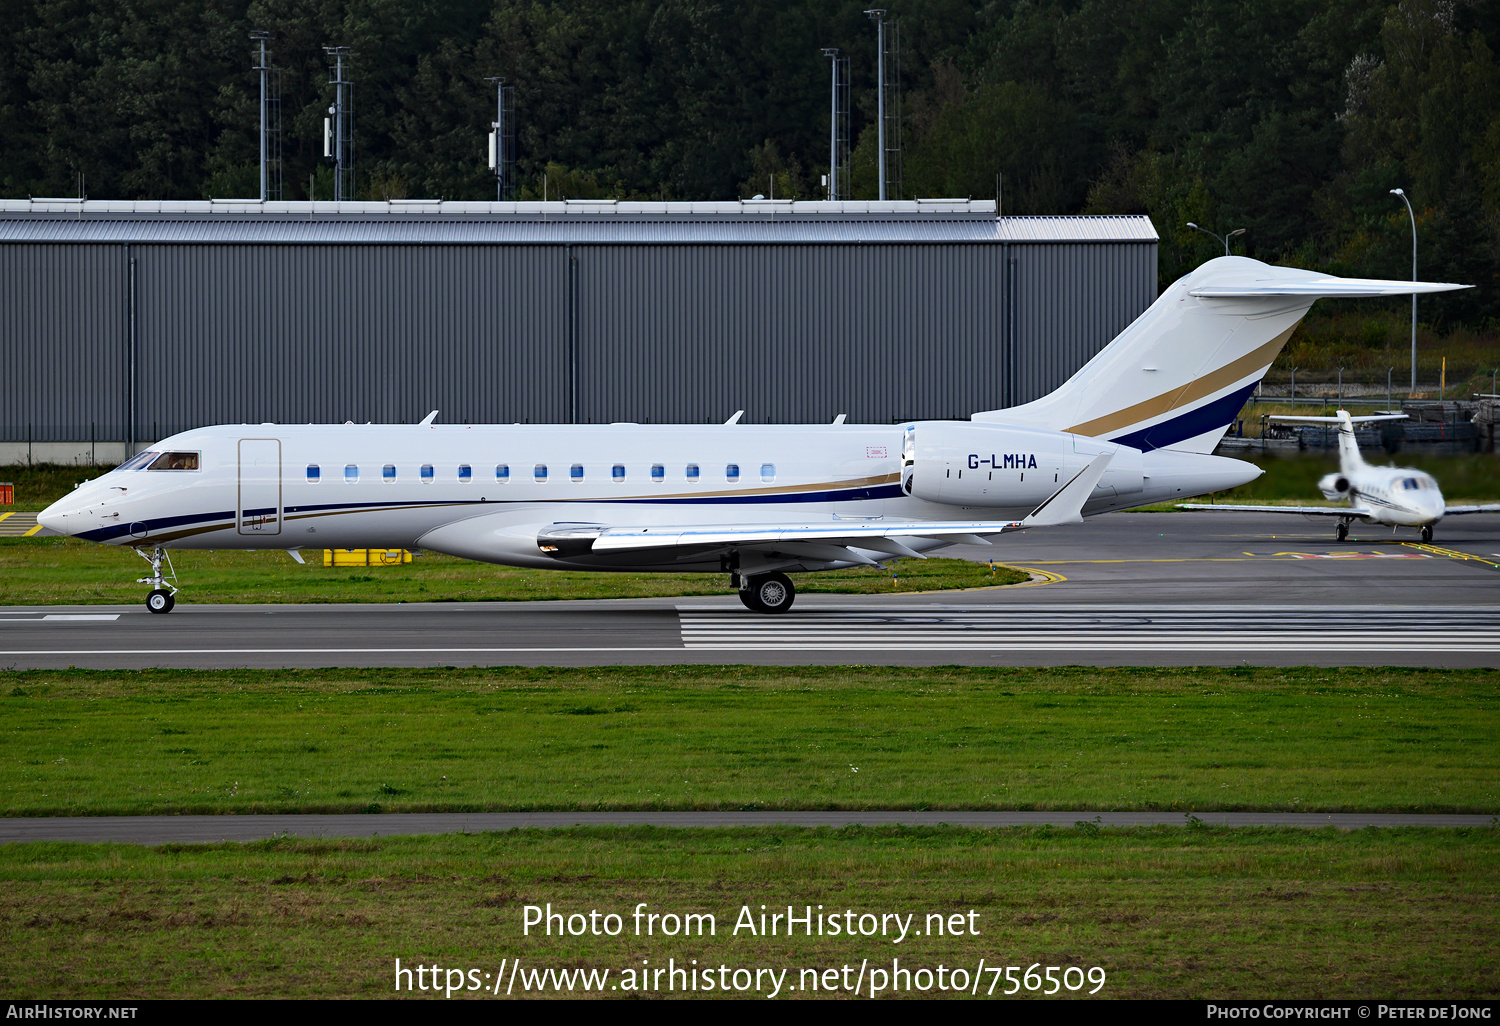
[1402, 194]
[1221, 238]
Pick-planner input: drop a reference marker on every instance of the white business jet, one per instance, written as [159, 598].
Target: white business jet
[1394, 496]
[1137, 424]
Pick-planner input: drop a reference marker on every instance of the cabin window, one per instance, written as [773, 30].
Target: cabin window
[138, 461]
[175, 461]
[426, 473]
[658, 473]
[691, 471]
[576, 472]
[768, 472]
[617, 472]
[732, 473]
[313, 473]
[465, 473]
[502, 473]
[539, 472]
[388, 473]
[351, 473]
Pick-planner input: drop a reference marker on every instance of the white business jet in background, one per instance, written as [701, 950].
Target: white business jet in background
[1394, 496]
[1137, 424]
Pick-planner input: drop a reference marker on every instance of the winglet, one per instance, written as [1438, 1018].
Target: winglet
[427, 420]
[735, 419]
[1066, 504]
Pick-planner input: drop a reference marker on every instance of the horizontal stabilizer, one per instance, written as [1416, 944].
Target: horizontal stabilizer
[1319, 288]
[1288, 419]
[1345, 512]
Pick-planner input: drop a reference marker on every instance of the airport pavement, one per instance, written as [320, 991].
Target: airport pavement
[213, 829]
[1127, 589]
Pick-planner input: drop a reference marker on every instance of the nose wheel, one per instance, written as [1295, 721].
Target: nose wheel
[163, 581]
[767, 593]
[1427, 533]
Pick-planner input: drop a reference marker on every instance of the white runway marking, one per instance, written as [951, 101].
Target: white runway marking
[1096, 631]
[60, 616]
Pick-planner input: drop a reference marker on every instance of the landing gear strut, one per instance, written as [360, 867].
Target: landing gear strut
[163, 585]
[1427, 533]
[766, 593]
[1343, 529]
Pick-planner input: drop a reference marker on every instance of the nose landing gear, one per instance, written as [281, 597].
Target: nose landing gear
[1427, 533]
[163, 585]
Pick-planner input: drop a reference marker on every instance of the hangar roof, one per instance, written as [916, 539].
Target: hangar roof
[571, 221]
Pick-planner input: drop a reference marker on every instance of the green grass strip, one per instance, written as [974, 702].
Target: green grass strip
[65, 571]
[1310, 739]
[1166, 912]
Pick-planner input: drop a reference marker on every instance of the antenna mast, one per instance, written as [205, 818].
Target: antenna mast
[838, 132]
[270, 120]
[338, 127]
[503, 140]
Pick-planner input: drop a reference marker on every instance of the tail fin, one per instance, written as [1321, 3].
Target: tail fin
[1350, 459]
[1178, 375]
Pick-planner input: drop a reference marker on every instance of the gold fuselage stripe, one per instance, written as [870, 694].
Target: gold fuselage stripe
[1205, 386]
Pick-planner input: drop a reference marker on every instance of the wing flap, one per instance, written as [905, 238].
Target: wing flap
[626, 539]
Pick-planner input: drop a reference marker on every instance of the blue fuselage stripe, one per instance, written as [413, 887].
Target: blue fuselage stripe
[160, 524]
[1217, 414]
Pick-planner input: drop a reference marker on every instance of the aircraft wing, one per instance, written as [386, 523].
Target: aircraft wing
[1307, 511]
[842, 541]
[1458, 511]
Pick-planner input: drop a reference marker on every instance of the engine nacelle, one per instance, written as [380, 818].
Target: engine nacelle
[1334, 486]
[962, 463]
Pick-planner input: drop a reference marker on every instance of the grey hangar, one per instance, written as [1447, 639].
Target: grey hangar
[129, 321]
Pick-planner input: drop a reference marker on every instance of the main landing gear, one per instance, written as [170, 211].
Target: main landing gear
[766, 593]
[163, 585]
[1343, 529]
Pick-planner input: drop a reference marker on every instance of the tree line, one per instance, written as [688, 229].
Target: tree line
[1292, 119]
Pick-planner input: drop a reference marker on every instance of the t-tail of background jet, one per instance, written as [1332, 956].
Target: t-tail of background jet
[1177, 377]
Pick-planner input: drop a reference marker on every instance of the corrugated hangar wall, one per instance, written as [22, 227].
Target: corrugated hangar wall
[790, 326]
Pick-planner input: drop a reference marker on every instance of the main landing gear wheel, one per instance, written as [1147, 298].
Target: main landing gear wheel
[160, 601]
[1343, 530]
[768, 593]
[1427, 533]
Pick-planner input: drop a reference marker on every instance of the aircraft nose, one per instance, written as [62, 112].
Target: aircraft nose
[59, 519]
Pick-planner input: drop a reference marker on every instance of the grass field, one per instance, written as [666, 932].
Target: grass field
[65, 571]
[1166, 912]
[96, 742]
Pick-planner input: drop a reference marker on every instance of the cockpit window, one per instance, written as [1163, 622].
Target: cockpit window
[175, 461]
[139, 460]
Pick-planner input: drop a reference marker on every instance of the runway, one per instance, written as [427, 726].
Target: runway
[213, 829]
[1127, 589]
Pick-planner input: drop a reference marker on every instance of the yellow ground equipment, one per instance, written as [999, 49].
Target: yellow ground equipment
[365, 557]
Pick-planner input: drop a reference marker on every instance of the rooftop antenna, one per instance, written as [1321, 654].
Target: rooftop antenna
[338, 127]
[891, 93]
[838, 132]
[270, 120]
[878, 16]
[503, 140]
